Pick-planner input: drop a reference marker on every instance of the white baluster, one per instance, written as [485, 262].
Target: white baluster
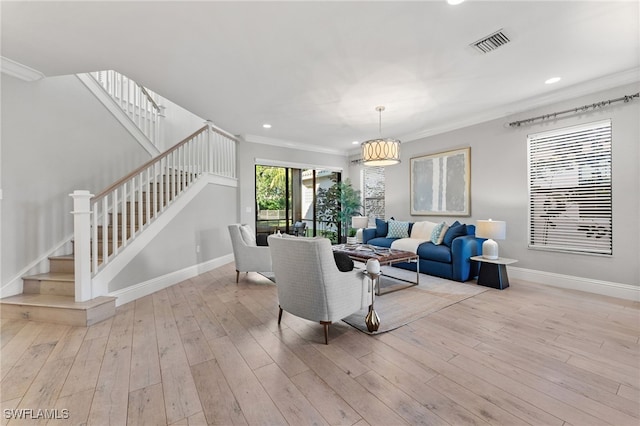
[94, 237]
[141, 212]
[114, 224]
[105, 230]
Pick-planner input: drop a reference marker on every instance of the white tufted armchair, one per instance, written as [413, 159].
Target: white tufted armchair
[249, 257]
[309, 283]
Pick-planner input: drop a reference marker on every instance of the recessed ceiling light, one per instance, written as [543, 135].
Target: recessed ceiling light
[266, 126]
[454, 2]
[355, 142]
[552, 80]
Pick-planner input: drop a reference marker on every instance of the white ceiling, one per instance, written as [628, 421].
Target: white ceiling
[317, 70]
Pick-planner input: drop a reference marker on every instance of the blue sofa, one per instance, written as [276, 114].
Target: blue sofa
[448, 260]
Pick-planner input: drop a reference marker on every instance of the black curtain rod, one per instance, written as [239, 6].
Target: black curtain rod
[627, 98]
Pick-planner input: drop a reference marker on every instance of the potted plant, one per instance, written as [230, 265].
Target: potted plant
[337, 204]
[351, 239]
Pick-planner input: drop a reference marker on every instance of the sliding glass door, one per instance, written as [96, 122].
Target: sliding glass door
[287, 197]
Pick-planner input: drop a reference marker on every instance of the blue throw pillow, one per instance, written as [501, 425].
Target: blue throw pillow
[381, 228]
[454, 232]
[398, 229]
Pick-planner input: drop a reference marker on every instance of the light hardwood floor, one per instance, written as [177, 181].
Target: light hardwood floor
[208, 350]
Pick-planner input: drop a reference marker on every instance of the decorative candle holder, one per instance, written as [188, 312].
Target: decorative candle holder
[372, 320]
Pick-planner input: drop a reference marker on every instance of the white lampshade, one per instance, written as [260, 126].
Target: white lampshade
[359, 222]
[381, 152]
[373, 266]
[492, 230]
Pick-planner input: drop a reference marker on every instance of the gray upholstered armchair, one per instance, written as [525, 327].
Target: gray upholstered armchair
[249, 257]
[309, 283]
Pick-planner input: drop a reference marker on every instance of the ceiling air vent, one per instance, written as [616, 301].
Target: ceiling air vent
[491, 42]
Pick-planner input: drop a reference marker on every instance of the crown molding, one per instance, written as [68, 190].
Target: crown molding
[291, 145]
[17, 70]
[570, 92]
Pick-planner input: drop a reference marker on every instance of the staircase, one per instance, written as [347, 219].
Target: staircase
[75, 290]
[50, 296]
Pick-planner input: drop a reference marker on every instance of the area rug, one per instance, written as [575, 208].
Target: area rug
[410, 304]
[268, 275]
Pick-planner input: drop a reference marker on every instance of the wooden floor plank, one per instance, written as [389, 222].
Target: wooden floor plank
[9, 328]
[210, 351]
[334, 409]
[218, 402]
[255, 403]
[293, 405]
[365, 403]
[180, 393]
[110, 400]
[411, 410]
[77, 407]
[145, 360]
[12, 352]
[146, 406]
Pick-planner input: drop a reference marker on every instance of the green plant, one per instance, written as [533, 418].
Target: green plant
[270, 188]
[352, 232]
[337, 204]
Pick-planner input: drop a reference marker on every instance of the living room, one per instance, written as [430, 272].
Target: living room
[195, 252]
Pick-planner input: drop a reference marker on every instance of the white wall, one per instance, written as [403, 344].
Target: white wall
[56, 138]
[202, 223]
[178, 124]
[248, 153]
[499, 185]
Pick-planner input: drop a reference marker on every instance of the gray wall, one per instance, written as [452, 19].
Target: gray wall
[247, 154]
[203, 222]
[499, 184]
[56, 138]
[178, 124]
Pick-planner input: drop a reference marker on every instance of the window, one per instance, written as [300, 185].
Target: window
[570, 205]
[373, 192]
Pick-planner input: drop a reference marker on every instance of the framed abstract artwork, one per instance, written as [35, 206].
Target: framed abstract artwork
[440, 184]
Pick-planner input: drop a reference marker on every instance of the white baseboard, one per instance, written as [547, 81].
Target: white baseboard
[100, 282]
[137, 291]
[605, 288]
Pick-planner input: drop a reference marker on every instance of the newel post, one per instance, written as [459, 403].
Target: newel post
[82, 244]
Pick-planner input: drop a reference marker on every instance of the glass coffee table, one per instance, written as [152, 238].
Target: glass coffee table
[386, 257]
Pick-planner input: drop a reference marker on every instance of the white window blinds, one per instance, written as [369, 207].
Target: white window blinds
[373, 192]
[570, 206]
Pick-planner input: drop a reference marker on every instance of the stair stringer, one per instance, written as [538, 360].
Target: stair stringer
[122, 117]
[100, 281]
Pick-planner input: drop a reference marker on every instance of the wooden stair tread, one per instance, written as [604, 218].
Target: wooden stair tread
[62, 257]
[56, 276]
[53, 301]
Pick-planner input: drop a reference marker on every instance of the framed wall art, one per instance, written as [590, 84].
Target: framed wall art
[440, 184]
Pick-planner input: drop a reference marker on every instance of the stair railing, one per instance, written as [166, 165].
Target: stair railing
[139, 103]
[121, 212]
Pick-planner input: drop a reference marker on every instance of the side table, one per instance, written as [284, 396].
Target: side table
[493, 272]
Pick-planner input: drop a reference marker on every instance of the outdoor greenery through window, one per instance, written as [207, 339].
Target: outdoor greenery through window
[316, 198]
[570, 203]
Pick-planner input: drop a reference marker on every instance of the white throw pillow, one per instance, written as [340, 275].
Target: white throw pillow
[422, 230]
[247, 235]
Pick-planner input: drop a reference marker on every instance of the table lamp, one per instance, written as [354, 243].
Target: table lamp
[492, 230]
[359, 222]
